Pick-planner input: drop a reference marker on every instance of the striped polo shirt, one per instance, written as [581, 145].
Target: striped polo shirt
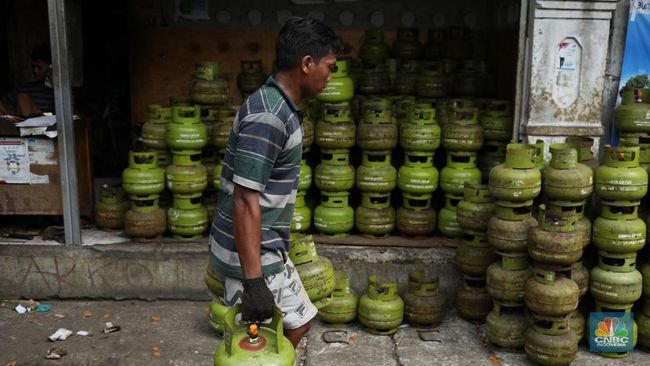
[263, 153]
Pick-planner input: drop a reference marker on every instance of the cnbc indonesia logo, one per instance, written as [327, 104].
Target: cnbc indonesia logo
[611, 332]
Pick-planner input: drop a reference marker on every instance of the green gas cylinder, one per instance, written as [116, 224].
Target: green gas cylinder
[550, 294]
[407, 46]
[421, 131]
[460, 168]
[474, 260]
[251, 76]
[505, 326]
[187, 219]
[377, 135]
[301, 219]
[216, 316]
[187, 174]
[334, 173]
[305, 175]
[424, 306]
[145, 221]
[316, 272]
[475, 209]
[111, 209]
[416, 217]
[472, 79]
[417, 175]
[374, 47]
[433, 82]
[497, 120]
[381, 309]
[632, 114]
[254, 344]
[333, 216]
[506, 279]
[375, 217]
[211, 92]
[407, 76]
[447, 222]
[555, 240]
[615, 284]
[517, 179]
[462, 132]
[509, 228]
[154, 131]
[342, 310]
[143, 176]
[208, 70]
[577, 210]
[340, 87]
[618, 228]
[186, 131]
[550, 341]
[565, 178]
[336, 129]
[472, 300]
[577, 324]
[621, 178]
[376, 174]
[223, 126]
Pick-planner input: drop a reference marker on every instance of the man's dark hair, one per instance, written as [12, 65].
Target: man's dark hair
[304, 36]
[42, 53]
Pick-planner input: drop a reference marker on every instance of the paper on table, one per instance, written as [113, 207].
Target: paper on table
[42, 121]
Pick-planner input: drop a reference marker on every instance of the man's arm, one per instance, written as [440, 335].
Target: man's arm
[257, 300]
[247, 222]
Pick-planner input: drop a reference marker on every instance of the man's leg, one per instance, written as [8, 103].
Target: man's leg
[295, 335]
[294, 302]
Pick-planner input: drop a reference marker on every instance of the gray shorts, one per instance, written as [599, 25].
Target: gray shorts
[289, 293]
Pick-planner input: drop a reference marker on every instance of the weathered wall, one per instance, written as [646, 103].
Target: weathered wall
[163, 59]
[177, 270]
[164, 50]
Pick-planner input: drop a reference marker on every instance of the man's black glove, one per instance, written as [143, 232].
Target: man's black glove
[257, 301]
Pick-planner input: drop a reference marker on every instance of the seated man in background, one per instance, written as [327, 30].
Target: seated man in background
[33, 97]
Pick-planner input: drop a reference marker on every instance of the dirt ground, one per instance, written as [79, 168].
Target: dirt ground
[152, 333]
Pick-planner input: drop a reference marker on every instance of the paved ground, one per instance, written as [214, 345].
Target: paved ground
[177, 333]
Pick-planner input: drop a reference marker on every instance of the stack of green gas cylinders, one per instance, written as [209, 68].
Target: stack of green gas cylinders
[143, 180]
[335, 135]
[474, 254]
[376, 177]
[555, 246]
[618, 233]
[187, 177]
[462, 138]
[417, 179]
[497, 120]
[514, 185]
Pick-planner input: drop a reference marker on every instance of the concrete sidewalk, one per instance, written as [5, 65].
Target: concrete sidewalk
[177, 333]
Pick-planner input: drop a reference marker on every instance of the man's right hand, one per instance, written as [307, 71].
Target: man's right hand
[257, 301]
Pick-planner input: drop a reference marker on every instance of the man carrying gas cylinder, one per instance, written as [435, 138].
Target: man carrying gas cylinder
[249, 237]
